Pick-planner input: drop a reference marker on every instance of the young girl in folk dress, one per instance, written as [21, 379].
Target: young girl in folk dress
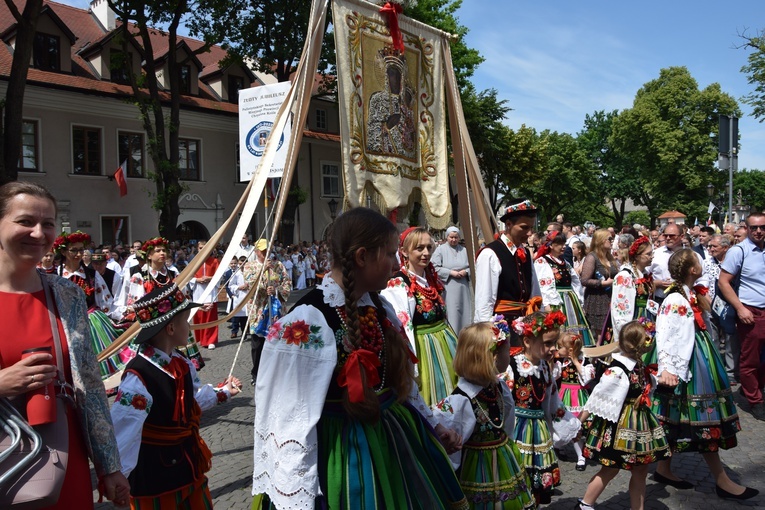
[694, 402]
[624, 433]
[416, 294]
[481, 409]
[536, 404]
[574, 376]
[339, 422]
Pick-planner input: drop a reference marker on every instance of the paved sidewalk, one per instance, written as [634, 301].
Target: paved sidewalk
[227, 429]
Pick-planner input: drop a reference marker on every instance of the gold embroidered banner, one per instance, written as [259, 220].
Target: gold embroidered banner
[392, 118]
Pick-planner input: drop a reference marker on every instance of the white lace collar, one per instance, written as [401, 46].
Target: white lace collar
[65, 273]
[334, 296]
[629, 363]
[527, 369]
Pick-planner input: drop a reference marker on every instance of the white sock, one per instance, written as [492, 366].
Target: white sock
[585, 506]
[578, 450]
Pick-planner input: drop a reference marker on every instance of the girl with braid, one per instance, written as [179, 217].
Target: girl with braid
[416, 294]
[339, 422]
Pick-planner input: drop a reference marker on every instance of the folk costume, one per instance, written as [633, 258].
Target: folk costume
[536, 404]
[699, 413]
[420, 308]
[208, 336]
[571, 388]
[505, 279]
[158, 407]
[308, 453]
[623, 430]
[98, 299]
[560, 287]
[632, 294]
[457, 293]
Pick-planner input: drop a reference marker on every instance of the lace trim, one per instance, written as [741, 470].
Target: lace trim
[605, 407]
[334, 295]
[269, 475]
[526, 368]
[675, 361]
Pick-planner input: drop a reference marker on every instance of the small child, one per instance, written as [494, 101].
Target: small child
[481, 409]
[157, 409]
[574, 376]
[624, 433]
[536, 403]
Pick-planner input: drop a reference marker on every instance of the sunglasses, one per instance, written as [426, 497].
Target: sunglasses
[671, 236]
[757, 227]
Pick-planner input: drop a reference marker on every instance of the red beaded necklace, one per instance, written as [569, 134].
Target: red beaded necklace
[371, 331]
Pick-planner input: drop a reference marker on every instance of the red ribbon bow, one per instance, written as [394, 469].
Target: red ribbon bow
[645, 397]
[178, 368]
[350, 376]
[520, 253]
[392, 11]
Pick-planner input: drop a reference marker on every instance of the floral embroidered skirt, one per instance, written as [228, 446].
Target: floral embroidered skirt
[638, 438]
[435, 347]
[699, 415]
[394, 463]
[534, 442]
[492, 475]
[102, 333]
[575, 318]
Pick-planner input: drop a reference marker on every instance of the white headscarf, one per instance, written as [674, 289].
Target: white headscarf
[452, 229]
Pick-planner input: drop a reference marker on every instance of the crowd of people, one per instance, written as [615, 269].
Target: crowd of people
[391, 382]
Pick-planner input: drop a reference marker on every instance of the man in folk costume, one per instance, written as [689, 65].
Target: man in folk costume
[505, 282]
[207, 337]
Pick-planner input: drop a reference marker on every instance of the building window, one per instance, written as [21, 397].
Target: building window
[115, 230]
[321, 119]
[188, 161]
[28, 160]
[86, 150]
[186, 79]
[120, 66]
[131, 150]
[330, 180]
[235, 84]
[46, 52]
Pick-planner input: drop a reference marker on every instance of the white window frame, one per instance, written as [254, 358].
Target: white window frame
[339, 177]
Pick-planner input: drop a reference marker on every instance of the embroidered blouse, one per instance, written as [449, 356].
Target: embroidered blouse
[675, 334]
[615, 386]
[553, 275]
[97, 294]
[631, 290]
[133, 403]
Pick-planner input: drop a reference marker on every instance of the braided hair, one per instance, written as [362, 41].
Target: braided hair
[680, 264]
[355, 229]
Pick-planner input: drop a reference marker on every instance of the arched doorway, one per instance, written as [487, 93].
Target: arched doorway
[189, 230]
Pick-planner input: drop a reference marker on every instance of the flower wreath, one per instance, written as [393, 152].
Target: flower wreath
[636, 245]
[153, 243]
[64, 240]
[650, 328]
[538, 324]
[501, 330]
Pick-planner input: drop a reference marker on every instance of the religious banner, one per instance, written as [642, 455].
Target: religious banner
[392, 118]
[257, 110]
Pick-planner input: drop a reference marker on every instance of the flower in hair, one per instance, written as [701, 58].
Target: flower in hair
[649, 326]
[635, 246]
[501, 330]
[539, 324]
[63, 241]
[153, 243]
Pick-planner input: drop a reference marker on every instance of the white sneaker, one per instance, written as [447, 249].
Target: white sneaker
[211, 346]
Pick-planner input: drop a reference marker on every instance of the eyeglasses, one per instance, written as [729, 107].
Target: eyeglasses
[757, 227]
[671, 236]
[75, 252]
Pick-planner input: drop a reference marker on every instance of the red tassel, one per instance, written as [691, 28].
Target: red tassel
[392, 11]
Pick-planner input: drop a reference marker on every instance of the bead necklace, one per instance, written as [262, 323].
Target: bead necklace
[531, 383]
[430, 292]
[485, 412]
[372, 337]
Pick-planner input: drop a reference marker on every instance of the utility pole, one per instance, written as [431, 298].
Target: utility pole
[728, 153]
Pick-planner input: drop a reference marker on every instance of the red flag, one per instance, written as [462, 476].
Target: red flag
[119, 176]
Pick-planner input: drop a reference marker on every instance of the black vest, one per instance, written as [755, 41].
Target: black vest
[162, 468]
[515, 280]
[108, 277]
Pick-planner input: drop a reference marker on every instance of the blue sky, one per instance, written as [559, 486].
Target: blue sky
[557, 61]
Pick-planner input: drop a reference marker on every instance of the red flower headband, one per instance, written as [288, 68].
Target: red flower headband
[64, 240]
[539, 324]
[635, 246]
[545, 248]
[153, 243]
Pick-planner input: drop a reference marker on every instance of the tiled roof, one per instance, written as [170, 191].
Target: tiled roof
[672, 214]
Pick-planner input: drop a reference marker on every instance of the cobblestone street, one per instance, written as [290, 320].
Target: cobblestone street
[227, 429]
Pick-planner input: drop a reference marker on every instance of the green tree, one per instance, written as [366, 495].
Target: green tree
[669, 139]
[755, 71]
[751, 183]
[13, 103]
[163, 132]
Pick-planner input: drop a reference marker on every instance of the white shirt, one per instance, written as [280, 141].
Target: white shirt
[659, 268]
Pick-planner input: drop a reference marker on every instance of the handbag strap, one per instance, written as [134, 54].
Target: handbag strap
[62, 384]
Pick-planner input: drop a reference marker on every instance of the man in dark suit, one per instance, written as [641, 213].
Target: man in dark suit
[705, 233]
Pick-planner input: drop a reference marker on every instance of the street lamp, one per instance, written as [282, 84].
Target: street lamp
[332, 209]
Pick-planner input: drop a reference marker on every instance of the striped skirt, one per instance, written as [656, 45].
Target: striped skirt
[699, 415]
[195, 496]
[436, 344]
[573, 396]
[493, 477]
[396, 462]
[575, 318]
[102, 333]
[534, 441]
